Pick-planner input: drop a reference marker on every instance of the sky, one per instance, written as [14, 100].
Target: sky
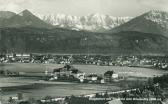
[85, 7]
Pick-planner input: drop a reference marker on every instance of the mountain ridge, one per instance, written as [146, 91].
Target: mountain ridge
[23, 19]
[92, 22]
[153, 21]
[150, 22]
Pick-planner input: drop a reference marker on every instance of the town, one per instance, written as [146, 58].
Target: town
[158, 62]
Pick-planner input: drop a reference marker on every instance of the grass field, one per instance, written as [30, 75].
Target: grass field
[66, 88]
[124, 71]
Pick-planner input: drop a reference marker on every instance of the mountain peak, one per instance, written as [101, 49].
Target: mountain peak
[25, 19]
[157, 16]
[25, 12]
[154, 21]
[157, 12]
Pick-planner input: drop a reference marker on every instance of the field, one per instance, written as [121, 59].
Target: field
[44, 88]
[39, 89]
[123, 71]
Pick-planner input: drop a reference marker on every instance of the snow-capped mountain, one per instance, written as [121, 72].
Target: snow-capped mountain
[154, 21]
[150, 22]
[93, 22]
[158, 17]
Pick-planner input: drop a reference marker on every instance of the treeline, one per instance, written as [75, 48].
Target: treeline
[162, 81]
[29, 40]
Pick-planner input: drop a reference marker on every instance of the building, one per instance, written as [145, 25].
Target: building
[78, 74]
[61, 72]
[23, 57]
[114, 76]
[92, 77]
[110, 76]
[69, 72]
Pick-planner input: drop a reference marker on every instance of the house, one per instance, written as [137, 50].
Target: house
[26, 55]
[109, 76]
[23, 57]
[90, 95]
[78, 74]
[9, 55]
[92, 77]
[57, 99]
[60, 72]
[68, 72]
[115, 76]
[102, 81]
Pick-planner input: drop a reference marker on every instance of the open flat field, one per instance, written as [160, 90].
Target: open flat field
[123, 71]
[40, 89]
[44, 88]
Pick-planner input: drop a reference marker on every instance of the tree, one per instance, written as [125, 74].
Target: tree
[11, 101]
[47, 97]
[32, 100]
[25, 102]
[106, 95]
[125, 95]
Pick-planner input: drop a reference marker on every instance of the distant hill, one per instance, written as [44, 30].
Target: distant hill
[23, 19]
[6, 14]
[67, 41]
[154, 21]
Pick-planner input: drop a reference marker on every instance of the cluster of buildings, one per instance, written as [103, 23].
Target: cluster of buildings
[69, 73]
[35, 58]
[160, 62]
[160, 65]
[8, 58]
[17, 99]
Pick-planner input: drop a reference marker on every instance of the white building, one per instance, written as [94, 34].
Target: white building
[115, 76]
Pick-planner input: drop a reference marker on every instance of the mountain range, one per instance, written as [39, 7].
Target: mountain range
[153, 21]
[28, 32]
[93, 22]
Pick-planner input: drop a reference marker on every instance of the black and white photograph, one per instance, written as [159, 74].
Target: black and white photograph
[83, 51]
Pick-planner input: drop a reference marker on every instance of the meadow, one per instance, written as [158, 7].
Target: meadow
[44, 88]
[123, 71]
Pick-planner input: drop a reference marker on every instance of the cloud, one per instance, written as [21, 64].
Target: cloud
[85, 7]
[154, 4]
[12, 5]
